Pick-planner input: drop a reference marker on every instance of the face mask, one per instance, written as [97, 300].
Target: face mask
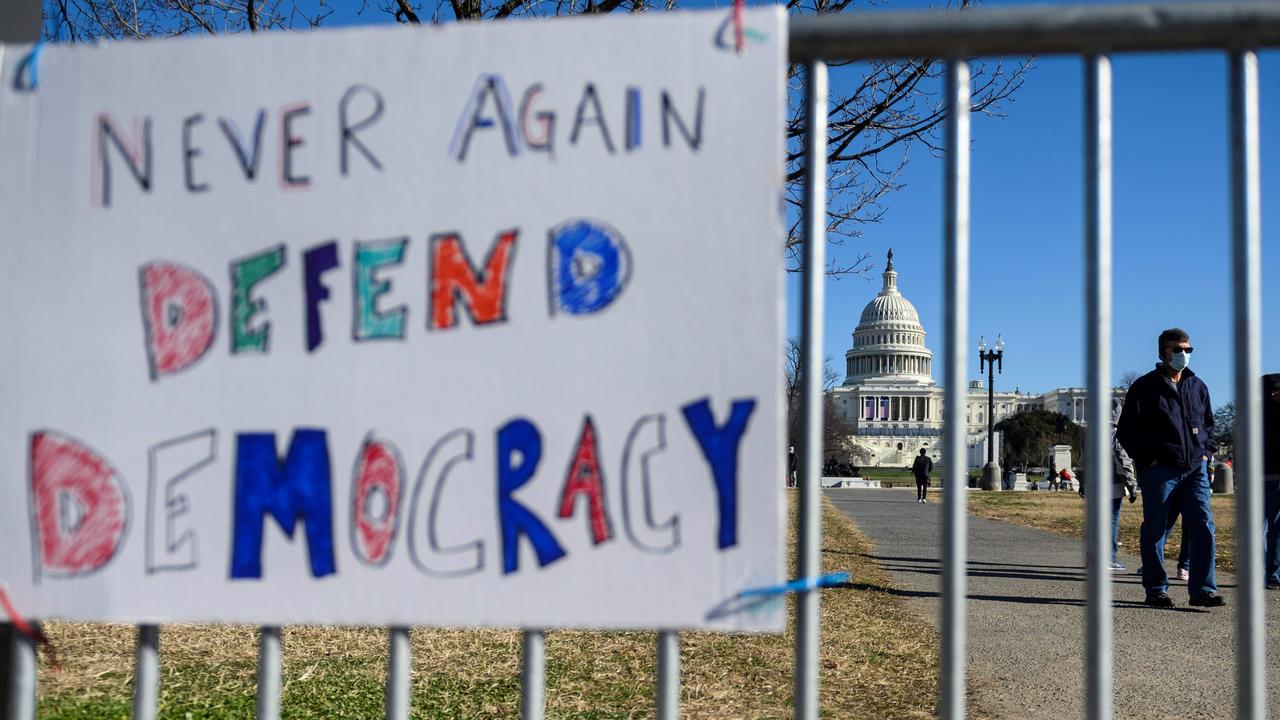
[1179, 360]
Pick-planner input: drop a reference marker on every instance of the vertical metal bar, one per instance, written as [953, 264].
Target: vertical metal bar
[955, 523]
[398, 680]
[22, 677]
[269, 662]
[146, 674]
[6, 642]
[1246, 243]
[533, 676]
[668, 702]
[1099, 470]
[811, 405]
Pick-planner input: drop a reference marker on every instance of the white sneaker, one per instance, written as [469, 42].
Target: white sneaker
[1183, 574]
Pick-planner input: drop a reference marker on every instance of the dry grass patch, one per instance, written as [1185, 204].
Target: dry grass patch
[1064, 513]
[878, 661]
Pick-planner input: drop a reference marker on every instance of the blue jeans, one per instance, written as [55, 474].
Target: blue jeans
[1115, 527]
[1271, 531]
[1165, 490]
[1184, 562]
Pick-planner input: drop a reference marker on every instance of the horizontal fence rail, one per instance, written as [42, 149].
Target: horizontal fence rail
[1090, 32]
[1035, 30]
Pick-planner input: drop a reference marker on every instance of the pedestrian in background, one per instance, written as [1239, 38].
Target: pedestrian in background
[1123, 483]
[1166, 426]
[921, 469]
[1051, 475]
[1271, 478]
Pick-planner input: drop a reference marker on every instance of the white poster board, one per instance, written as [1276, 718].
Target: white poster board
[472, 325]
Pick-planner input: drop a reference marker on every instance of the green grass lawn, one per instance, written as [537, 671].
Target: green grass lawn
[903, 477]
[1064, 513]
[878, 660]
[877, 473]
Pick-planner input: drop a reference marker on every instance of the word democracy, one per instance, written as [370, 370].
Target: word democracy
[81, 505]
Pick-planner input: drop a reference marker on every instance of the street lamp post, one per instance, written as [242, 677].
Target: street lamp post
[991, 359]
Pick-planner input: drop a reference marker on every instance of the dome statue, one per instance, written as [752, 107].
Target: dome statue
[888, 343]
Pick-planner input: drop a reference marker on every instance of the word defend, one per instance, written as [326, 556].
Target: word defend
[589, 264]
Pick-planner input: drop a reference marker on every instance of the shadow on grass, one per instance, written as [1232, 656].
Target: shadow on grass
[1012, 571]
[892, 558]
[1020, 599]
[903, 500]
[843, 552]
[1024, 571]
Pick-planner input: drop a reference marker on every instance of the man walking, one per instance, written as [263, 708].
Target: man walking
[1271, 478]
[1167, 428]
[921, 469]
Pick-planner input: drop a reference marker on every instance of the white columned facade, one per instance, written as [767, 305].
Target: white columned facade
[888, 389]
[890, 396]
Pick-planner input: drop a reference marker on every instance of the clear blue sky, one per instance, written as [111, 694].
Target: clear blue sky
[1171, 231]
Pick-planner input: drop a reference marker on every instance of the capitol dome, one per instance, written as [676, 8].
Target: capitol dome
[890, 308]
[888, 344]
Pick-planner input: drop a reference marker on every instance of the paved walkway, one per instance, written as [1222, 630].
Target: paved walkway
[1026, 618]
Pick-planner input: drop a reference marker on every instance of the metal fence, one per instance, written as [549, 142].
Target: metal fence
[1092, 32]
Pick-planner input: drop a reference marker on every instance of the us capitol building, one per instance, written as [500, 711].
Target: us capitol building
[889, 394]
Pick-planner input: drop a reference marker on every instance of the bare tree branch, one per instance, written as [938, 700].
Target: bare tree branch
[507, 8]
[191, 11]
[66, 20]
[406, 13]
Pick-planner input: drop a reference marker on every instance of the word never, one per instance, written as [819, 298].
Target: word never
[136, 148]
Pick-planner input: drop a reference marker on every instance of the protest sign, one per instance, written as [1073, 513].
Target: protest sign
[472, 325]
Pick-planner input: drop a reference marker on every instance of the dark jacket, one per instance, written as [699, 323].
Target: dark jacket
[1270, 425]
[1122, 464]
[1159, 425]
[1123, 472]
[922, 467]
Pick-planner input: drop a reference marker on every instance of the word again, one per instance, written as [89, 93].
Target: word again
[527, 126]
[82, 505]
[588, 267]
